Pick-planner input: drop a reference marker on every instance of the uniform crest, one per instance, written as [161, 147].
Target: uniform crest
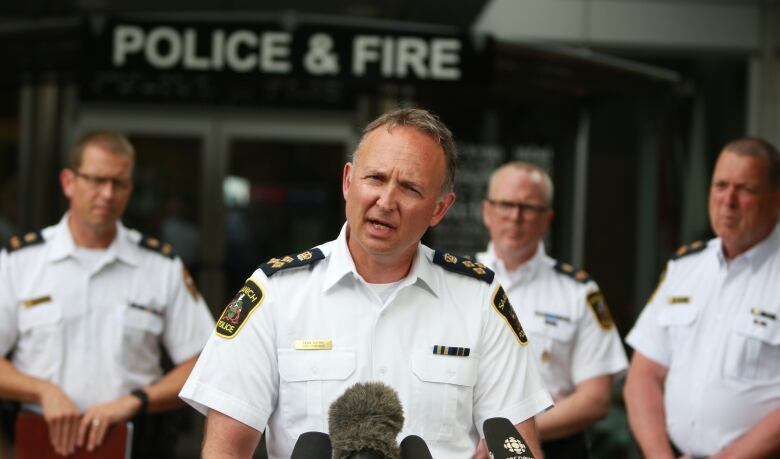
[291, 261]
[599, 307]
[464, 266]
[163, 248]
[577, 274]
[27, 240]
[501, 304]
[693, 247]
[236, 313]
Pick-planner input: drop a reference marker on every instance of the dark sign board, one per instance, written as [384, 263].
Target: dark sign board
[208, 57]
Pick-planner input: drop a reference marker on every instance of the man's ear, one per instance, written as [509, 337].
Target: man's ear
[346, 180]
[442, 207]
[67, 181]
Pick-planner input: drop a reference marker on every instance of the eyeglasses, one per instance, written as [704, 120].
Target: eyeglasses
[99, 181]
[524, 208]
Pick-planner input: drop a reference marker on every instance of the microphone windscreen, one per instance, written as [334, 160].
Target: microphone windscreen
[414, 447]
[312, 445]
[504, 441]
[367, 417]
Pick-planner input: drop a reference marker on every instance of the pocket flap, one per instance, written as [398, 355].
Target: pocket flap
[678, 315]
[142, 320]
[295, 365]
[447, 369]
[760, 328]
[39, 316]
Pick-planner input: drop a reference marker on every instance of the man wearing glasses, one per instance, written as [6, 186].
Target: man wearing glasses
[86, 305]
[561, 308]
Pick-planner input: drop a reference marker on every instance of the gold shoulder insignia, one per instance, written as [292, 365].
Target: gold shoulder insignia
[463, 265]
[291, 261]
[693, 247]
[163, 248]
[19, 242]
[577, 274]
[236, 313]
[501, 305]
[599, 307]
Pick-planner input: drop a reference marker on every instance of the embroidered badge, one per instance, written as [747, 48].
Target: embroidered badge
[189, 283]
[291, 261]
[464, 266]
[451, 350]
[236, 313]
[501, 305]
[599, 307]
[32, 302]
[313, 344]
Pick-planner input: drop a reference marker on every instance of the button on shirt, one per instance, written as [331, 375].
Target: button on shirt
[259, 377]
[565, 334]
[96, 332]
[716, 326]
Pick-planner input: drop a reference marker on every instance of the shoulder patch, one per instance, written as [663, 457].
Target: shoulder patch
[577, 274]
[19, 242]
[163, 248]
[236, 313]
[463, 265]
[599, 307]
[291, 261]
[693, 247]
[501, 305]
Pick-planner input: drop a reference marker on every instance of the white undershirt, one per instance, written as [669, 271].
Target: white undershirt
[89, 258]
[384, 291]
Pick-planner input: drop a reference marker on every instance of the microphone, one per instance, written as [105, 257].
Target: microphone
[504, 441]
[365, 421]
[414, 447]
[312, 445]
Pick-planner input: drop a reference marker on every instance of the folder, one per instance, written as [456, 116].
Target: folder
[32, 441]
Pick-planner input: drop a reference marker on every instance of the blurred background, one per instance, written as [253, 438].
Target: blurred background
[243, 114]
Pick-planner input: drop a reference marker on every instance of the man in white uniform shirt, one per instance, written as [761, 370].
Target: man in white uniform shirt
[86, 305]
[562, 309]
[375, 304]
[704, 380]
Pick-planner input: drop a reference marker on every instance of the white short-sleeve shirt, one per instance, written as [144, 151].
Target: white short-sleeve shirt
[317, 329]
[96, 331]
[716, 327]
[566, 318]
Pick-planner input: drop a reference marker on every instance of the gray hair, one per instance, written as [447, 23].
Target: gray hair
[758, 147]
[547, 185]
[427, 123]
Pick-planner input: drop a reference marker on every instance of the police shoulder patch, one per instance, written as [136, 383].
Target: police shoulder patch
[463, 265]
[577, 274]
[600, 310]
[20, 242]
[155, 245]
[501, 305]
[693, 247]
[275, 265]
[236, 313]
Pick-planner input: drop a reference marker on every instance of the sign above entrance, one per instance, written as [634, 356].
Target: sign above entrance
[305, 51]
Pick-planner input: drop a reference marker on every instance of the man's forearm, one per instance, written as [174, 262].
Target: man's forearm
[164, 394]
[761, 441]
[578, 411]
[15, 385]
[644, 399]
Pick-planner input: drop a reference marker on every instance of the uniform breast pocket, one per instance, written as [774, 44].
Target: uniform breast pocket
[310, 381]
[442, 393]
[753, 350]
[678, 321]
[140, 346]
[41, 343]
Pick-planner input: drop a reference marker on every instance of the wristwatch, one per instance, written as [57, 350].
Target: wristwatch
[143, 397]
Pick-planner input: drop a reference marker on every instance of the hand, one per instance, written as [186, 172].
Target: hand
[98, 418]
[62, 417]
[481, 452]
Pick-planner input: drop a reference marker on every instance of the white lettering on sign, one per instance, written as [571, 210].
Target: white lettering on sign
[244, 51]
[402, 57]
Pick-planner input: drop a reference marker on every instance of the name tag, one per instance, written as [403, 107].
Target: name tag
[679, 299]
[36, 301]
[313, 344]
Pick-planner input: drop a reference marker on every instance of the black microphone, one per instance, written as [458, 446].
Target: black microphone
[365, 421]
[504, 441]
[414, 447]
[312, 445]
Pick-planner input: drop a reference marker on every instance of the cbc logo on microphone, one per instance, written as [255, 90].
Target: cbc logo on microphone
[515, 446]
